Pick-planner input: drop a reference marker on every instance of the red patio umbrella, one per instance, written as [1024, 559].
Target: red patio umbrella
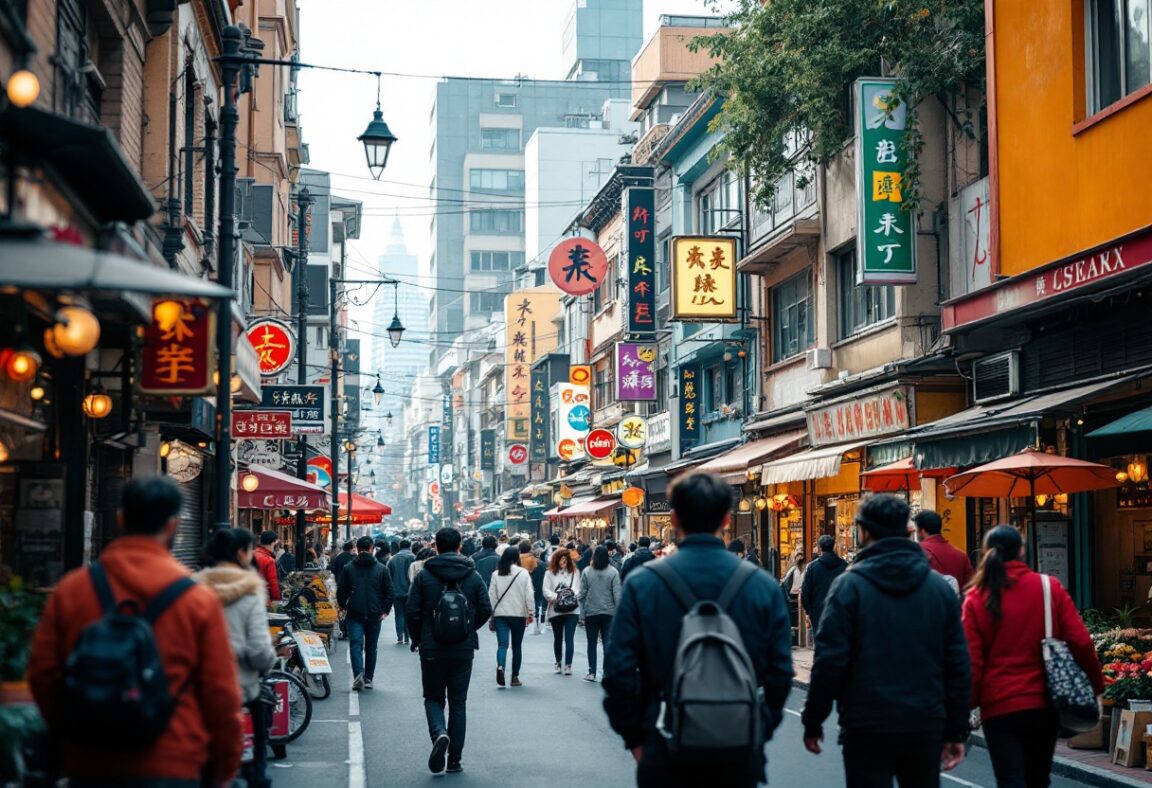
[900, 476]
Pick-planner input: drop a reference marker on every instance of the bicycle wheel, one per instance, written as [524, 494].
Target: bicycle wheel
[318, 686]
[299, 707]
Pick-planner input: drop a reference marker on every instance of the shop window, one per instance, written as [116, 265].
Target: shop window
[861, 306]
[793, 329]
[1118, 50]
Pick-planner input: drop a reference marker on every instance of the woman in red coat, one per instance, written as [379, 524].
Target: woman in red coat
[1004, 622]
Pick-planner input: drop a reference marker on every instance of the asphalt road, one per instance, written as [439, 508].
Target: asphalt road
[550, 732]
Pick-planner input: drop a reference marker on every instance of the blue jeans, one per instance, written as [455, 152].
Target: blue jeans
[595, 626]
[564, 628]
[509, 628]
[401, 623]
[363, 637]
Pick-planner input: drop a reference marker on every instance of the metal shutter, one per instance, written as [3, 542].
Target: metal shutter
[189, 542]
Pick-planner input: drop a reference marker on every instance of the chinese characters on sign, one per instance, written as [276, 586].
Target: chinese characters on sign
[572, 424]
[487, 450]
[689, 407]
[640, 210]
[969, 226]
[434, 445]
[635, 372]
[530, 333]
[865, 417]
[275, 345]
[177, 356]
[306, 405]
[703, 279]
[886, 234]
[266, 424]
[577, 266]
[539, 413]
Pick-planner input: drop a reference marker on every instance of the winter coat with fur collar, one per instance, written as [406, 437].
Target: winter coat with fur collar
[242, 593]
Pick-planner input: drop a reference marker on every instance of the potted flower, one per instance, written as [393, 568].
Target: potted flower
[20, 610]
[1126, 658]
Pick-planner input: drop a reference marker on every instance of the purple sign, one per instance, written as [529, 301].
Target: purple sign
[635, 372]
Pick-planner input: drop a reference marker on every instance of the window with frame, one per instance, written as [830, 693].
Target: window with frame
[718, 203]
[497, 180]
[1118, 53]
[861, 306]
[506, 100]
[496, 261]
[485, 302]
[496, 222]
[601, 388]
[500, 139]
[714, 390]
[793, 322]
[81, 85]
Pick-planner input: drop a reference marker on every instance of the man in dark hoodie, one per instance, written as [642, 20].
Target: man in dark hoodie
[383, 551]
[642, 556]
[890, 651]
[365, 594]
[818, 579]
[446, 667]
[485, 559]
[398, 569]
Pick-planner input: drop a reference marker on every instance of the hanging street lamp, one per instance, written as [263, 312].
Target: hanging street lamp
[378, 390]
[377, 139]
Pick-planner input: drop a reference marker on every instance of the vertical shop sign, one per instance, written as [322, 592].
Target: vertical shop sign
[635, 372]
[177, 356]
[434, 445]
[530, 333]
[539, 412]
[703, 279]
[886, 233]
[640, 210]
[487, 450]
[689, 407]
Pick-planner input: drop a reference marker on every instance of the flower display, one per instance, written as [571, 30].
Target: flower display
[1126, 657]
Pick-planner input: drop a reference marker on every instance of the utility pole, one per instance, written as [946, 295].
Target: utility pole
[334, 357]
[303, 203]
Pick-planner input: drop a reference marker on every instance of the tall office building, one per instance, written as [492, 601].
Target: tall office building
[481, 128]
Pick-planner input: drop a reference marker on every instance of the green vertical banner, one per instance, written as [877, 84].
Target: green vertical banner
[885, 233]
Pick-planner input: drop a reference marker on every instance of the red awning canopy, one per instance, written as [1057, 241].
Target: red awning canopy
[278, 490]
[586, 508]
[363, 505]
[900, 475]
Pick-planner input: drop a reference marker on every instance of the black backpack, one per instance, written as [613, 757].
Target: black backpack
[450, 616]
[117, 694]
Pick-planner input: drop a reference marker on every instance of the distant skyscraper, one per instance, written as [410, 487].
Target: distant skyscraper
[398, 366]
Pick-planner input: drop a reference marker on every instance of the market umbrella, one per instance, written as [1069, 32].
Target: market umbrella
[493, 526]
[900, 476]
[1030, 473]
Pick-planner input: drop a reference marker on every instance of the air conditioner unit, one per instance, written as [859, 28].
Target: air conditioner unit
[820, 358]
[996, 377]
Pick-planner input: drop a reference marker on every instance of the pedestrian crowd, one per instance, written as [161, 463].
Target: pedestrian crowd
[141, 670]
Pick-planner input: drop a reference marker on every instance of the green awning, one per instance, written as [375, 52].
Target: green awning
[964, 451]
[1140, 421]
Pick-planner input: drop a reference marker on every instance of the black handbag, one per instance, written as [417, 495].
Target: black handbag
[1070, 692]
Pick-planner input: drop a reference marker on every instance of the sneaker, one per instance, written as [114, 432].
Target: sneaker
[400, 641]
[516, 681]
[590, 677]
[500, 676]
[454, 766]
[557, 669]
[439, 753]
[367, 684]
[567, 670]
[357, 683]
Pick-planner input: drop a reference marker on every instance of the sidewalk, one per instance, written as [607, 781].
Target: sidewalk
[1091, 767]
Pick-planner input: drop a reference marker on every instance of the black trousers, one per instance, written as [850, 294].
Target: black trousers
[447, 679]
[256, 772]
[1021, 746]
[660, 769]
[875, 761]
[595, 627]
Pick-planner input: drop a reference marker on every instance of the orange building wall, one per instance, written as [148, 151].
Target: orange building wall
[1060, 192]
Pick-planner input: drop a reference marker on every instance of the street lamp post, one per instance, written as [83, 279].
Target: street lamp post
[303, 202]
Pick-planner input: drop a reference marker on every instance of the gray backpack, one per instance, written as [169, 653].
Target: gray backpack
[713, 702]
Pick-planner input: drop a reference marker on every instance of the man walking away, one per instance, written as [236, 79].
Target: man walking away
[447, 603]
[265, 558]
[398, 569]
[346, 557]
[942, 557]
[905, 721]
[485, 560]
[176, 652]
[365, 594]
[383, 551]
[642, 556]
[818, 579]
[644, 652]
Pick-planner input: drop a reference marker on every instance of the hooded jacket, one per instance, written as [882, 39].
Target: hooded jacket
[642, 556]
[398, 568]
[438, 572]
[266, 566]
[365, 589]
[817, 580]
[241, 591]
[890, 651]
[485, 561]
[341, 561]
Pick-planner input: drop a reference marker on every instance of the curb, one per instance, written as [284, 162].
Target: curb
[1062, 767]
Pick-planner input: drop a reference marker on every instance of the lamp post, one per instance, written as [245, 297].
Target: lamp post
[303, 203]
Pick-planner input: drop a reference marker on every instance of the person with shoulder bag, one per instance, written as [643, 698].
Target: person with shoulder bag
[1011, 615]
[510, 591]
[561, 590]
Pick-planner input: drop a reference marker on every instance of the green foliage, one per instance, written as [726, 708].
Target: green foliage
[788, 65]
[19, 611]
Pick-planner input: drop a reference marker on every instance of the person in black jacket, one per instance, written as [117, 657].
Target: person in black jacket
[383, 551]
[346, 557]
[905, 721]
[642, 644]
[818, 579]
[485, 559]
[398, 570]
[446, 668]
[641, 556]
[365, 594]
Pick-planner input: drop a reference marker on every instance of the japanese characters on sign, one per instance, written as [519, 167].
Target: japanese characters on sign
[487, 450]
[266, 424]
[177, 356]
[635, 372]
[703, 278]
[573, 422]
[434, 445]
[306, 404]
[530, 333]
[275, 345]
[577, 266]
[539, 413]
[886, 234]
[863, 417]
[689, 407]
[640, 213]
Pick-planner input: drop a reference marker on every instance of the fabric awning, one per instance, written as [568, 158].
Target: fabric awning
[1140, 421]
[278, 490]
[584, 507]
[733, 465]
[807, 465]
[363, 505]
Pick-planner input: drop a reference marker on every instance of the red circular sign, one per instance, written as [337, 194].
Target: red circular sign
[517, 454]
[567, 449]
[275, 345]
[600, 444]
[577, 266]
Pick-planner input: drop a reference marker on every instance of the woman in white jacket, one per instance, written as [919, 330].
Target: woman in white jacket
[561, 578]
[510, 591]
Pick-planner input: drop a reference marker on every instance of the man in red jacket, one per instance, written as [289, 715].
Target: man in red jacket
[265, 555]
[942, 557]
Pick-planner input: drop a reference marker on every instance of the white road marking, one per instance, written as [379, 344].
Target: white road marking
[958, 781]
[357, 778]
[793, 712]
[353, 704]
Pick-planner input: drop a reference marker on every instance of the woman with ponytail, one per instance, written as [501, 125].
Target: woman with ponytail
[1004, 622]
